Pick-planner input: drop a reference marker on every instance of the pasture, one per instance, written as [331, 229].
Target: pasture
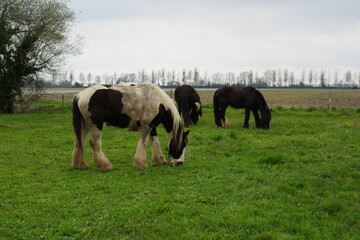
[298, 180]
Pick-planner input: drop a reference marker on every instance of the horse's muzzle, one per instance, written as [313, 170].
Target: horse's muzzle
[176, 163]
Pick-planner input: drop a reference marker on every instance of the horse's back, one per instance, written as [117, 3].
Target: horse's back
[83, 97]
[236, 97]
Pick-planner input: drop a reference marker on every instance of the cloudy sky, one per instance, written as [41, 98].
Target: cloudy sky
[216, 35]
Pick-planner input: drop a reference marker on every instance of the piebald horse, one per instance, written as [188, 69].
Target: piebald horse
[188, 101]
[143, 106]
[248, 98]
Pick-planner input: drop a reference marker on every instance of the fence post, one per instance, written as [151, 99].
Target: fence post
[62, 101]
[329, 104]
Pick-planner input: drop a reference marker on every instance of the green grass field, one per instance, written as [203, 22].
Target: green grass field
[299, 180]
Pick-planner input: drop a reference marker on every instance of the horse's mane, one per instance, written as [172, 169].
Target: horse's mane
[262, 101]
[168, 103]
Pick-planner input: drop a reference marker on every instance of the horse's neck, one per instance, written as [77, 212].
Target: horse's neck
[263, 107]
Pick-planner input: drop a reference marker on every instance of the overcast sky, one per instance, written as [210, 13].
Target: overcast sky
[216, 35]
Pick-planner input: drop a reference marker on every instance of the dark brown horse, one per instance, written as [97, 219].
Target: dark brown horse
[248, 98]
[189, 104]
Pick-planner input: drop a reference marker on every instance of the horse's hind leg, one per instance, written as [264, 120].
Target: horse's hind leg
[157, 157]
[257, 118]
[78, 155]
[140, 155]
[99, 157]
[247, 117]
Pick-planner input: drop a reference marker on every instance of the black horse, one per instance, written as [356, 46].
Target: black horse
[189, 104]
[248, 98]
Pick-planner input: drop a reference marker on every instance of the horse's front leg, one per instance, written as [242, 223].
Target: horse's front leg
[140, 155]
[257, 118]
[157, 155]
[224, 120]
[247, 117]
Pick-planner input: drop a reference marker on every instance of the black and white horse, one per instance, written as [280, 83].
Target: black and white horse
[144, 106]
[188, 101]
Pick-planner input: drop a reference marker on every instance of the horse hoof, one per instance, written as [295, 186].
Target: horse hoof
[142, 166]
[106, 168]
[81, 167]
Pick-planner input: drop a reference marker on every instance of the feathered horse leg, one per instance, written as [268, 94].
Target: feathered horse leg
[157, 157]
[99, 157]
[140, 155]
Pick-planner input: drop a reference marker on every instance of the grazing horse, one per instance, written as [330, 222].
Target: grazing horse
[248, 98]
[189, 104]
[144, 106]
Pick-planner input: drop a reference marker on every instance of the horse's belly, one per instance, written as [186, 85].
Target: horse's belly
[119, 120]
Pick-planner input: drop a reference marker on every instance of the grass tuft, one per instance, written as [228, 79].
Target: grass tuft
[273, 159]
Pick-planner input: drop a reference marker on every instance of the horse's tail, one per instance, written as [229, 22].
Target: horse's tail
[185, 110]
[217, 109]
[77, 121]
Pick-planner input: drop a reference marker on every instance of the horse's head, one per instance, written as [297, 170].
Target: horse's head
[196, 113]
[265, 119]
[177, 145]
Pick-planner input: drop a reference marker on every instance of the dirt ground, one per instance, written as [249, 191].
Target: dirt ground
[341, 98]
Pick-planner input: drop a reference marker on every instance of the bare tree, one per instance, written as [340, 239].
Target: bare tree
[89, 78]
[322, 79]
[274, 78]
[153, 76]
[71, 78]
[348, 78]
[292, 79]
[82, 78]
[286, 77]
[336, 77]
[311, 77]
[280, 80]
[302, 80]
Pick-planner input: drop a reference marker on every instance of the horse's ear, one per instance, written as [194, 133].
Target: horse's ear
[186, 133]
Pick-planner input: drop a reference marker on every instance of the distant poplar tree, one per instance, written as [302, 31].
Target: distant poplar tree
[274, 78]
[348, 78]
[89, 78]
[286, 77]
[82, 78]
[336, 77]
[311, 77]
[251, 78]
[302, 80]
[196, 76]
[292, 79]
[279, 78]
[153, 76]
[183, 76]
[322, 79]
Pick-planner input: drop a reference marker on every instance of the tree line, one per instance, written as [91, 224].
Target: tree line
[35, 41]
[268, 78]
